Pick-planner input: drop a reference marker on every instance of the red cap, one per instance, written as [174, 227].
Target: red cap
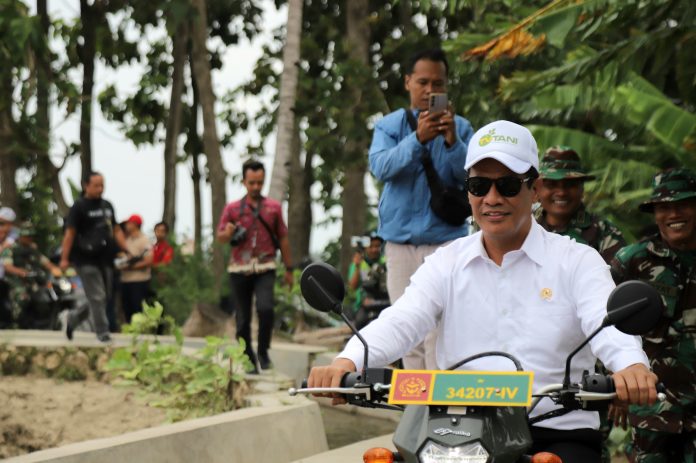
[136, 219]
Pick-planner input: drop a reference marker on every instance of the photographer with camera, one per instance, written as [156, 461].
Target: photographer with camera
[255, 228]
[367, 276]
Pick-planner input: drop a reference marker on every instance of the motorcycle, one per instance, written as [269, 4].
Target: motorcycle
[48, 295]
[453, 427]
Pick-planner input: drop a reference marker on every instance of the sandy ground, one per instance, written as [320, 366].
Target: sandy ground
[40, 413]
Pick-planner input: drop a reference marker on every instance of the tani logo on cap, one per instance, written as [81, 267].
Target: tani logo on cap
[491, 137]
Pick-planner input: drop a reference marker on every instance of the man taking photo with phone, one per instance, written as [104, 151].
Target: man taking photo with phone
[408, 224]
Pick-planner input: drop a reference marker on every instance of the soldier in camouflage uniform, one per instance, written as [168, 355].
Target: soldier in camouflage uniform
[666, 431]
[22, 259]
[560, 188]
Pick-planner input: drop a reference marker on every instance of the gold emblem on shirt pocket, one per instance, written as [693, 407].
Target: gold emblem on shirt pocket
[546, 294]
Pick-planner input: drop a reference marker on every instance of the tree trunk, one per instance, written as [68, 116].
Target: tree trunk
[87, 56]
[197, 206]
[211, 143]
[194, 144]
[47, 173]
[174, 124]
[8, 159]
[288, 95]
[353, 199]
[299, 201]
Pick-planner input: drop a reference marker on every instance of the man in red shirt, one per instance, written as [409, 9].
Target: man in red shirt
[255, 228]
[162, 251]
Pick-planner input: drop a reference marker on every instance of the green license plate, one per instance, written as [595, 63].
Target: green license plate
[486, 388]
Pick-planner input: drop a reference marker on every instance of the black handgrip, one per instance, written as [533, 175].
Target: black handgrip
[351, 379]
[304, 384]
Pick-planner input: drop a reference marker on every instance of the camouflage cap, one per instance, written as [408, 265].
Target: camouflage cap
[670, 186]
[562, 162]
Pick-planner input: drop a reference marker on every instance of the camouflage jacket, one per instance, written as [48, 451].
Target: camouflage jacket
[588, 228]
[671, 346]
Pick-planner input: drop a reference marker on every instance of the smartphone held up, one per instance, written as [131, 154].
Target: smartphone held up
[438, 102]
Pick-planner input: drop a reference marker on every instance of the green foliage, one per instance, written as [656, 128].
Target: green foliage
[36, 206]
[610, 82]
[152, 320]
[186, 281]
[207, 382]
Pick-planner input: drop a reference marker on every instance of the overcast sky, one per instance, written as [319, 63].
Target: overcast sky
[134, 176]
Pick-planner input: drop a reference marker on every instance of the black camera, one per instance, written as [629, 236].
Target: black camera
[239, 235]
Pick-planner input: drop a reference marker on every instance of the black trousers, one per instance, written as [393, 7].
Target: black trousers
[576, 446]
[132, 296]
[243, 288]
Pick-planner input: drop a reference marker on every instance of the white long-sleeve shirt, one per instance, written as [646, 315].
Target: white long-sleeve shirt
[539, 305]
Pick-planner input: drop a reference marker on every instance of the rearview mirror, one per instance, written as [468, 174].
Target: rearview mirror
[634, 307]
[322, 287]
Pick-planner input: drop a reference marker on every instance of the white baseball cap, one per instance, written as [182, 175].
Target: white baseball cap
[7, 214]
[506, 142]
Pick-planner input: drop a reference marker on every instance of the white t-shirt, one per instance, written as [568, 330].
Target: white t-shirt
[137, 245]
[539, 305]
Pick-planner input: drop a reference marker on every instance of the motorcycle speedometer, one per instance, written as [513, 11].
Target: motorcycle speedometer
[469, 453]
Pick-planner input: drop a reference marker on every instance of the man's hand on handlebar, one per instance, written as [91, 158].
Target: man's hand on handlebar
[330, 376]
[636, 385]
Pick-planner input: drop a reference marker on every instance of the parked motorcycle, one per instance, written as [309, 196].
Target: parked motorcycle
[47, 296]
[451, 428]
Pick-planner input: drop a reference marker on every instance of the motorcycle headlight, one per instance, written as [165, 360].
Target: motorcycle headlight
[470, 453]
[64, 285]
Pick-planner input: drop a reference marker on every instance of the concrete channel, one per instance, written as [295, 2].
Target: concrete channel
[273, 428]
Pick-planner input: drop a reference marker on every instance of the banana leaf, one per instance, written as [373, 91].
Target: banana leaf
[667, 122]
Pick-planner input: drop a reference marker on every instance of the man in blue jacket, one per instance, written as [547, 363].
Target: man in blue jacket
[406, 221]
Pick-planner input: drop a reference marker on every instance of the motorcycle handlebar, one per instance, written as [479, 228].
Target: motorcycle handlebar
[593, 388]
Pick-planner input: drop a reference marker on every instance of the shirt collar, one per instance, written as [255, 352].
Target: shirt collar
[533, 246]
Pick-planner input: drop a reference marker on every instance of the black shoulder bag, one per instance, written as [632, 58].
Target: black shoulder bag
[449, 203]
[257, 215]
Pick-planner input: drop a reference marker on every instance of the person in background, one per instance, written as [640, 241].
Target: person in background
[665, 432]
[21, 260]
[162, 251]
[90, 237]
[560, 188]
[406, 221]
[7, 218]
[367, 276]
[255, 228]
[135, 271]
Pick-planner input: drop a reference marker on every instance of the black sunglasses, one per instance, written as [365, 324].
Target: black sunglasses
[507, 186]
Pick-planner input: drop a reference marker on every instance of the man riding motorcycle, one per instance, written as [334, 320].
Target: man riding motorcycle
[25, 269]
[514, 287]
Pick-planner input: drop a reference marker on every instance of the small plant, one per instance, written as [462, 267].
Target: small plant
[151, 321]
[206, 382]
